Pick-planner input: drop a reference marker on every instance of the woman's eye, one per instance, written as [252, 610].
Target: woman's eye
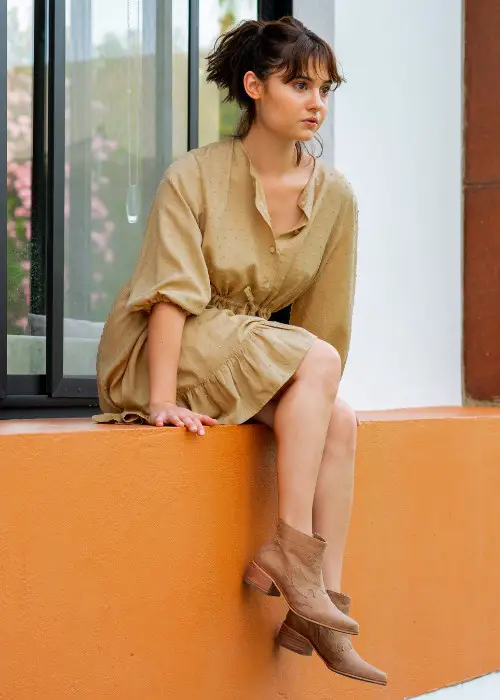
[300, 86]
[325, 90]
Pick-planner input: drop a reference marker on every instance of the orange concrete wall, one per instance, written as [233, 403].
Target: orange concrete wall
[122, 549]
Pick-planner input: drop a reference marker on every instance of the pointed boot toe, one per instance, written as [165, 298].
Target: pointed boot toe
[367, 672]
[334, 648]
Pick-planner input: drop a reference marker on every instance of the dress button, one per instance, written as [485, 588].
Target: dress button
[272, 249]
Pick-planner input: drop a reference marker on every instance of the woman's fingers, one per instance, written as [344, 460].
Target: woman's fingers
[207, 420]
[190, 423]
[194, 422]
[161, 419]
[174, 420]
[199, 428]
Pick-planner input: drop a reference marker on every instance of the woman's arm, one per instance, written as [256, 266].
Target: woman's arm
[165, 328]
[166, 324]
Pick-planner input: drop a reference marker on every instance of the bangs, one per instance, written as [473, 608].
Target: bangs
[297, 57]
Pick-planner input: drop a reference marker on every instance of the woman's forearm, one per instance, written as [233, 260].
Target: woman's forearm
[165, 327]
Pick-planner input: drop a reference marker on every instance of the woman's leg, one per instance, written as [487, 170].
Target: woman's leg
[331, 515]
[334, 491]
[301, 420]
[334, 487]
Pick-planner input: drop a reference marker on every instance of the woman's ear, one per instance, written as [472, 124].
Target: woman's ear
[253, 86]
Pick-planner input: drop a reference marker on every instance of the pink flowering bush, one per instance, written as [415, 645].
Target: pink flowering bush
[19, 203]
[18, 198]
[113, 241]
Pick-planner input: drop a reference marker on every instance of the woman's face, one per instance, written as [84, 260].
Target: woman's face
[293, 110]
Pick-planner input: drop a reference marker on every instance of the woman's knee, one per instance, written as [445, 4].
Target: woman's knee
[343, 424]
[323, 365]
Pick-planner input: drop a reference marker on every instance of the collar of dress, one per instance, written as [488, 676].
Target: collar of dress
[305, 201]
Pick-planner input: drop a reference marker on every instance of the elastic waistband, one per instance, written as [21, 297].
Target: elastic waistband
[248, 308]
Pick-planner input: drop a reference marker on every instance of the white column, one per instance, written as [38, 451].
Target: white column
[397, 136]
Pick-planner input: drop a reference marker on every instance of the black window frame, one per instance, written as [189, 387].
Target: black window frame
[56, 394]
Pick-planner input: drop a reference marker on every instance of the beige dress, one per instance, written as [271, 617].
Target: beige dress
[210, 249]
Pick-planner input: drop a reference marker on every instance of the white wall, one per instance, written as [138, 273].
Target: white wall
[485, 688]
[396, 133]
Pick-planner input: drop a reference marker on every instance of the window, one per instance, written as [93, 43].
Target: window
[218, 119]
[121, 112]
[96, 100]
[24, 286]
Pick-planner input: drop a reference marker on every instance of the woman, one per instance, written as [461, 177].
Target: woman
[237, 231]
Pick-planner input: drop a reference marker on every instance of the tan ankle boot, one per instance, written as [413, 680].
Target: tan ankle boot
[291, 564]
[334, 648]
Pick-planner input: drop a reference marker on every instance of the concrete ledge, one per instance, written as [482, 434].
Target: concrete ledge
[122, 550]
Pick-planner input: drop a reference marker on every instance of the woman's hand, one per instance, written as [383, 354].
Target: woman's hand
[168, 413]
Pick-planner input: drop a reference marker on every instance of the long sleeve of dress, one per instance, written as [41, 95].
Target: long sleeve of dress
[325, 309]
[171, 266]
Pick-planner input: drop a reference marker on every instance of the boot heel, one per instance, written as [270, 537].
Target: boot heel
[292, 640]
[257, 578]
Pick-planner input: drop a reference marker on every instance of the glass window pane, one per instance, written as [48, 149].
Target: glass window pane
[26, 338]
[123, 128]
[180, 44]
[217, 118]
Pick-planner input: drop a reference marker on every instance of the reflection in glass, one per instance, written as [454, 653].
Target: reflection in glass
[134, 70]
[179, 91]
[126, 116]
[25, 354]
[217, 118]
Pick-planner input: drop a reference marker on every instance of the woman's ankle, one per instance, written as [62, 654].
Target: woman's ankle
[297, 521]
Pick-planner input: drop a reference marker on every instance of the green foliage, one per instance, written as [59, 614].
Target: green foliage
[229, 116]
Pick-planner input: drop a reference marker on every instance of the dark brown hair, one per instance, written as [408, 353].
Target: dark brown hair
[265, 48]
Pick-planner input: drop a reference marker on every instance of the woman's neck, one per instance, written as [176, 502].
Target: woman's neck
[269, 155]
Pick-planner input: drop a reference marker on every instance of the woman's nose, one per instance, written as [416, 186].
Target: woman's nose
[315, 101]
